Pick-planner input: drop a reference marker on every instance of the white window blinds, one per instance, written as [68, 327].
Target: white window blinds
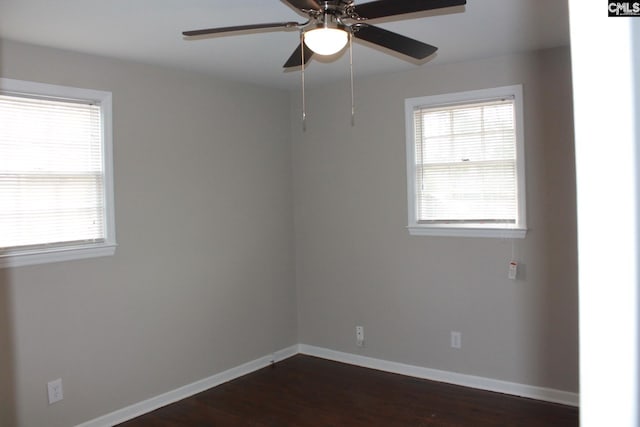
[466, 163]
[51, 173]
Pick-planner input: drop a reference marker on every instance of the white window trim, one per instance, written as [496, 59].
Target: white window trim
[518, 230]
[67, 253]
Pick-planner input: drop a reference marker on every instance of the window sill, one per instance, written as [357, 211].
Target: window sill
[45, 256]
[467, 231]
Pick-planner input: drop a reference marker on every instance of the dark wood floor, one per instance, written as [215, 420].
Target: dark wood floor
[307, 391]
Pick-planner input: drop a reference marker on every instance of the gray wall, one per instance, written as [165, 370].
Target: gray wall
[202, 280]
[357, 265]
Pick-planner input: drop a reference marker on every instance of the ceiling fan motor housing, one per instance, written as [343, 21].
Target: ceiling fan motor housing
[338, 10]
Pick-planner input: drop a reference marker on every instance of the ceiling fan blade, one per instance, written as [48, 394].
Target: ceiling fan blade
[382, 8]
[240, 28]
[304, 4]
[394, 41]
[295, 60]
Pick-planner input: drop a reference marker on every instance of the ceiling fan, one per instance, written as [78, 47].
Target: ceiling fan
[332, 23]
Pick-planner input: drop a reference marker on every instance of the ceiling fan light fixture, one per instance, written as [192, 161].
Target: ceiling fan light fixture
[327, 38]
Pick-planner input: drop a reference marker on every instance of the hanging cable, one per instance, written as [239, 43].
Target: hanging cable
[304, 107]
[353, 105]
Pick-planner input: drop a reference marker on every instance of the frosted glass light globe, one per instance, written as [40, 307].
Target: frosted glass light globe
[326, 41]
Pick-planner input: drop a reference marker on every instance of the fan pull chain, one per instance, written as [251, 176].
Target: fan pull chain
[353, 105]
[304, 106]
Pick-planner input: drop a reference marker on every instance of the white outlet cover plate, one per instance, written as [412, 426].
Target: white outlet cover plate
[456, 339]
[54, 389]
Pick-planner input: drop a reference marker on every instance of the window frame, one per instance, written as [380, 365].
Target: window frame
[66, 252]
[467, 229]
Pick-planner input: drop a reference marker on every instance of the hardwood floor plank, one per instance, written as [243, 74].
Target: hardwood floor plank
[308, 391]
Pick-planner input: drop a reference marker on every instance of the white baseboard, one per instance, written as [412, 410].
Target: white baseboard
[522, 390]
[188, 390]
[144, 407]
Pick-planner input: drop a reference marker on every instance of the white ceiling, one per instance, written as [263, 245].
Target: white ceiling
[150, 31]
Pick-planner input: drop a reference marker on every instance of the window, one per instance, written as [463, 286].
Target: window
[56, 185]
[465, 164]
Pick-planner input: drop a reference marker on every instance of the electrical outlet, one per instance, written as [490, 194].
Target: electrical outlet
[360, 336]
[54, 389]
[456, 339]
